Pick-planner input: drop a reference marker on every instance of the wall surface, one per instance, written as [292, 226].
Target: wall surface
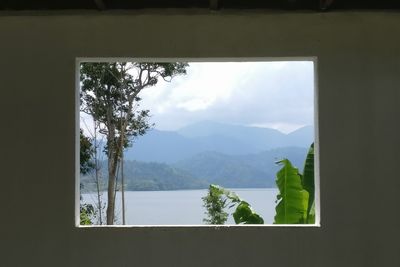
[359, 108]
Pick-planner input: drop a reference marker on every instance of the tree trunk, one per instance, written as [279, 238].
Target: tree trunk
[112, 167]
[111, 192]
[122, 187]
[96, 162]
[122, 171]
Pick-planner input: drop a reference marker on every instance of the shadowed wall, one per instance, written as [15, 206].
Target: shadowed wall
[359, 110]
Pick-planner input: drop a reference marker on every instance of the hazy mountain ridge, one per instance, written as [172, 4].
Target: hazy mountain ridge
[143, 176]
[234, 171]
[207, 152]
[252, 170]
[171, 147]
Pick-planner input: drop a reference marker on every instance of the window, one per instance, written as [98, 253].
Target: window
[165, 142]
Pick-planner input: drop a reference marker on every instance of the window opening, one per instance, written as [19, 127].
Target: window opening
[197, 143]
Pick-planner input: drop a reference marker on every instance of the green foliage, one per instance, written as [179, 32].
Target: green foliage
[218, 200]
[311, 214]
[110, 94]
[215, 202]
[86, 153]
[293, 199]
[109, 89]
[244, 214]
[296, 192]
[145, 176]
[240, 171]
[87, 212]
[86, 164]
[308, 184]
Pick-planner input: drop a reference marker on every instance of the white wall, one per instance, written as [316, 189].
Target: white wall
[359, 107]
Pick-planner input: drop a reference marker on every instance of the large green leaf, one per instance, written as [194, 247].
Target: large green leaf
[308, 183]
[220, 199]
[311, 214]
[244, 214]
[293, 199]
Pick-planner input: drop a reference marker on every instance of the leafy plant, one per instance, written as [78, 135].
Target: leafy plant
[309, 185]
[296, 192]
[86, 165]
[86, 214]
[244, 214]
[215, 203]
[219, 199]
[86, 153]
[293, 199]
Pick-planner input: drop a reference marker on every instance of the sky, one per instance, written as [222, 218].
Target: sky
[278, 95]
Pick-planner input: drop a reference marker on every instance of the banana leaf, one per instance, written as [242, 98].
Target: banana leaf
[308, 184]
[244, 214]
[292, 198]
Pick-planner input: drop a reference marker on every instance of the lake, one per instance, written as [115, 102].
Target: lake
[183, 207]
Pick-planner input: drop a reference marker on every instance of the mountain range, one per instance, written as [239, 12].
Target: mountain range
[208, 152]
[173, 146]
[198, 172]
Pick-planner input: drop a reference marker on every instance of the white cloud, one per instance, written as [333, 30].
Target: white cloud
[267, 94]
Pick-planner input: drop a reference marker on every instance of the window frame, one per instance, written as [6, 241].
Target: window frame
[314, 59]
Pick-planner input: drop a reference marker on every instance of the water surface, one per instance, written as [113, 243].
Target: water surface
[183, 207]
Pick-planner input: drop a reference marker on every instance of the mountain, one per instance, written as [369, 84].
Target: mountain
[301, 137]
[257, 137]
[158, 176]
[206, 128]
[266, 160]
[224, 170]
[142, 176]
[199, 171]
[253, 170]
[171, 147]
[209, 152]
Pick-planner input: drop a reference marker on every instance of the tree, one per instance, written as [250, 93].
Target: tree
[215, 203]
[110, 94]
[86, 164]
[96, 167]
[86, 153]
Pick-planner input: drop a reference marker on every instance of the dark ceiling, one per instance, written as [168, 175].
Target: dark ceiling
[213, 4]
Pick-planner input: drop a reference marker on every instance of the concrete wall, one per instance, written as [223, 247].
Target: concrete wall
[359, 107]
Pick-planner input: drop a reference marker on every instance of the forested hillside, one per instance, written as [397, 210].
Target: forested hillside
[197, 172]
[173, 146]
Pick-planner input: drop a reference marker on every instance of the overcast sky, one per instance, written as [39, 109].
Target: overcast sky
[277, 95]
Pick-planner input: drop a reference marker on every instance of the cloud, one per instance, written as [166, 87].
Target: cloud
[279, 95]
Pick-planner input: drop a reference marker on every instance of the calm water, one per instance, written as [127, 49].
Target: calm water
[183, 206]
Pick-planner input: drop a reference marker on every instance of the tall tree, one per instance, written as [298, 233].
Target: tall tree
[110, 94]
